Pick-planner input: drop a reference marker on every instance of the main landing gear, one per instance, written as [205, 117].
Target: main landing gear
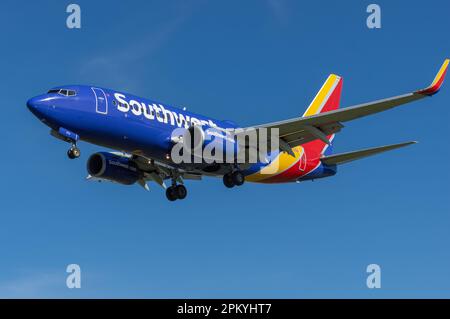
[73, 152]
[175, 192]
[232, 179]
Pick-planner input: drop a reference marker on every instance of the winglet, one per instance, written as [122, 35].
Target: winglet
[437, 82]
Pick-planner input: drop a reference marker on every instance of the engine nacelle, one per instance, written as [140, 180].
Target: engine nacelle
[113, 167]
[210, 142]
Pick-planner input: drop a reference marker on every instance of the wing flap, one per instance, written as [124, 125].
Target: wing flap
[343, 158]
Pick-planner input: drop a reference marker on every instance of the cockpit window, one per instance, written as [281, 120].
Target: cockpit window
[63, 92]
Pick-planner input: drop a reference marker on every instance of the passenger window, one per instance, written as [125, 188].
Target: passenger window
[72, 93]
[53, 91]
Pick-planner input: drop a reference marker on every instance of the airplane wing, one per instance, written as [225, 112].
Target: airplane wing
[297, 131]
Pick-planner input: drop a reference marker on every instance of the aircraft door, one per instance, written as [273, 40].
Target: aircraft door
[101, 102]
[303, 161]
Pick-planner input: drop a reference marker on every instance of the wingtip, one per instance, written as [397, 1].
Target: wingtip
[437, 82]
[407, 143]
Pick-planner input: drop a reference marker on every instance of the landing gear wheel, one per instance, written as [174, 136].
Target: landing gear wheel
[171, 194]
[176, 192]
[228, 180]
[73, 152]
[180, 191]
[238, 178]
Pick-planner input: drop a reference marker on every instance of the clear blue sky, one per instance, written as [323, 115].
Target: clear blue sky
[252, 62]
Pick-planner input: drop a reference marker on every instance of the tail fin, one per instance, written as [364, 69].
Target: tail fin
[328, 98]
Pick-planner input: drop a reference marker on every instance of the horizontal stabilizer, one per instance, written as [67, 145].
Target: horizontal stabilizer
[352, 156]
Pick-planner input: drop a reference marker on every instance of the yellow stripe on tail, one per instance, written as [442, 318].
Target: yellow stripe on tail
[327, 98]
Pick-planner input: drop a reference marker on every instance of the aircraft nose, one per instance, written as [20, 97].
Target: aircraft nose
[31, 103]
[37, 106]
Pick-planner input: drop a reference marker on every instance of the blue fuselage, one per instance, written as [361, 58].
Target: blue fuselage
[116, 120]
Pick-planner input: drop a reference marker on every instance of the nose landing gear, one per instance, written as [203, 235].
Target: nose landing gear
[69, 137]
[73, 152]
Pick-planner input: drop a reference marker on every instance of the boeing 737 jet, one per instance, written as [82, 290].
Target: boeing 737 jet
[141, 133]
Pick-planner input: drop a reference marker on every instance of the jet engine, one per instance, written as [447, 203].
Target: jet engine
[116, 168]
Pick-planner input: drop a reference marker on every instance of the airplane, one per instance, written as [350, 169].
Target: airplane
[140, 131]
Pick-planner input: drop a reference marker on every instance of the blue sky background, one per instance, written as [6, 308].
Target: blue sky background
[253, 62]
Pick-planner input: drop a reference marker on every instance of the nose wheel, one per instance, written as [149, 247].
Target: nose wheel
[73, 152]
[232, 179]
[175, 192]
